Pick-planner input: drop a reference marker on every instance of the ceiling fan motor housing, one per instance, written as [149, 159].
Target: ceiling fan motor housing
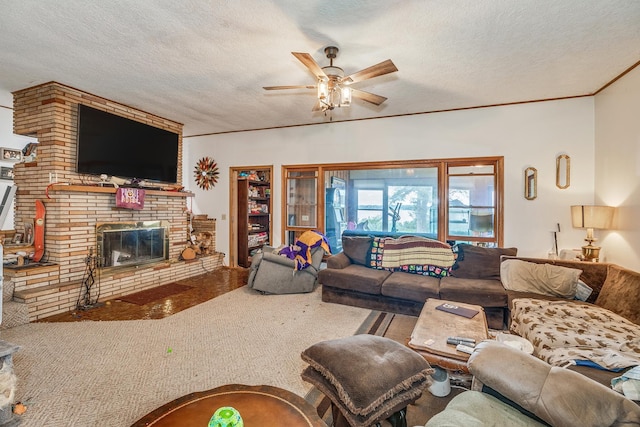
[331, 51]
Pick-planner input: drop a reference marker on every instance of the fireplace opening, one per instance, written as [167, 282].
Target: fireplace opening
[127, 244]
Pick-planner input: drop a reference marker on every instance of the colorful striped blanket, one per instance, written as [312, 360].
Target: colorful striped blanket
[416, 250]
[412, 254]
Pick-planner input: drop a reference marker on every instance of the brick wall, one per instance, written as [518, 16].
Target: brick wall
[75, 204]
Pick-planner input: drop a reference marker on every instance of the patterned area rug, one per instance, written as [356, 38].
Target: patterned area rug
[153, 294]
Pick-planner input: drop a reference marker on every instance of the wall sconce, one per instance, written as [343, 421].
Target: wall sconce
[591, 217]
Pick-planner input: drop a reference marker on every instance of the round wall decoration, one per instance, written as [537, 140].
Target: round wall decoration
[206, 173]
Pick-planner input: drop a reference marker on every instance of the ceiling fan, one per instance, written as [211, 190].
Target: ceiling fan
[333, 88]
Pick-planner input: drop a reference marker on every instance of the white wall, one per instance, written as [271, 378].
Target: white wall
[617, 166]
[526, 135]
[10, 140]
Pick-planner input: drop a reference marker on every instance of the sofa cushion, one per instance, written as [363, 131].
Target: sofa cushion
[410, 287]
[354, 277]
[376, 371]
[483, 292]
[620, 293]
[476, 262]
[357, 248]
[546, 279]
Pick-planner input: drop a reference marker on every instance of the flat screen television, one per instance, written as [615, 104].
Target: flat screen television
[116, 146]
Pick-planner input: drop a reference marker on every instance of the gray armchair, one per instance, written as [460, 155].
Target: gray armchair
[275, 274]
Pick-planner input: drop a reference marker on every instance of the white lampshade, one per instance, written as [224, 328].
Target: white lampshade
[585, 216]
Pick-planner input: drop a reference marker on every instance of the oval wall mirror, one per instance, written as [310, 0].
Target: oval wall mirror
[563, 171]
[530, 183]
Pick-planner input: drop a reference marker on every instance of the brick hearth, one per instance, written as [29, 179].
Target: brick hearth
[75, 204]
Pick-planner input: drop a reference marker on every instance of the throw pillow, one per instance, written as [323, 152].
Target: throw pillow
[583, 291]
[476, 262]
[357, 248]
[368, 370]
[545, 279]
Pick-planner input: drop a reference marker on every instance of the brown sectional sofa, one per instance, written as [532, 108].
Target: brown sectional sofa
[349, 280]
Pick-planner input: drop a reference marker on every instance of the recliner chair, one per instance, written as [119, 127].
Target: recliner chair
[272, 273]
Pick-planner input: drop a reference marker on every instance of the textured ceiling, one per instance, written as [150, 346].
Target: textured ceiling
[203, 63]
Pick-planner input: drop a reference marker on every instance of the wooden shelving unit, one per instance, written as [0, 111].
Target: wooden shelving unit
[254, 218]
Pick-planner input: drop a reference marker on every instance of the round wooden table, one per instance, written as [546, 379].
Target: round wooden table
[259, 406]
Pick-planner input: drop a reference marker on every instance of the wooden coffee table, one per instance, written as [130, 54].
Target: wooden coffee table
[259, 406]
[429, 336]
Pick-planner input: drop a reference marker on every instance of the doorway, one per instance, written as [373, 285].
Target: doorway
[250, 211]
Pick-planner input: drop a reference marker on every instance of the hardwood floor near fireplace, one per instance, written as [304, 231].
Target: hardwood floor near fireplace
[203, 288]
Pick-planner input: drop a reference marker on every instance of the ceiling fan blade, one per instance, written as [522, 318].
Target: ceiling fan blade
[310, 63]
[288, 87]
[366, 96]
[380, 69]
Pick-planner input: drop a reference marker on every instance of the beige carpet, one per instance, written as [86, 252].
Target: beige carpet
[112, 373]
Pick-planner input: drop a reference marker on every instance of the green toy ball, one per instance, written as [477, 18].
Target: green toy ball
[226, 417]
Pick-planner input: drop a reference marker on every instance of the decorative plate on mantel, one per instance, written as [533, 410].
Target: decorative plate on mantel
[206, 173]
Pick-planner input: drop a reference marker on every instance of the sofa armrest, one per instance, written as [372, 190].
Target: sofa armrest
[558, 396]
[280, 262]
[338, 261]
[278, 259]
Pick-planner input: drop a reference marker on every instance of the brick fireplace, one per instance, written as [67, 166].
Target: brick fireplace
[76, 206]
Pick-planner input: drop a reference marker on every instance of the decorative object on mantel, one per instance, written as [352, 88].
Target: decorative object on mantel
[590, 217]
[130, 198]
[530, 183]
[10, 154]
[6, 173]
[206, 173]
[563, 171]
[30, 152]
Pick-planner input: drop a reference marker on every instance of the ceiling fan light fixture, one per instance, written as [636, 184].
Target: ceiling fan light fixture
[323, 89]
[332, 94]
[345, 99]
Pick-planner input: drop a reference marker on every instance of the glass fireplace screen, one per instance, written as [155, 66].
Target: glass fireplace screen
[132, 243]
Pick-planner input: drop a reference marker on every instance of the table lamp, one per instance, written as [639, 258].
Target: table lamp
[591, 217]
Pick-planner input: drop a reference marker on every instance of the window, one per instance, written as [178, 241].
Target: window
[453, 199]
[472, 203]
[302, 205]
[370, 208]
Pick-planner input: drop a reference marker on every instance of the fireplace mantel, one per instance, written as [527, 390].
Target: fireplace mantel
[101, 189]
